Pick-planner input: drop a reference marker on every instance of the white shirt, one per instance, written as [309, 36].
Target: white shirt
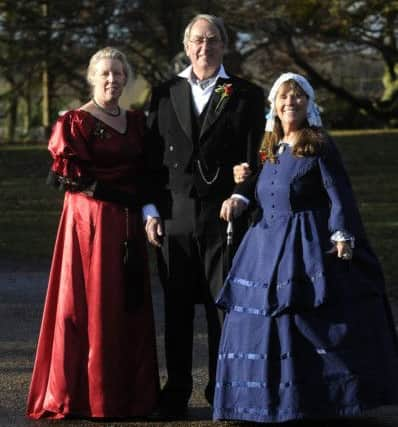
[201, 96]
[201, 93]
[202, 89]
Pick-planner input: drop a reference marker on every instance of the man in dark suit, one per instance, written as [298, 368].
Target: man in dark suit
[201, 123]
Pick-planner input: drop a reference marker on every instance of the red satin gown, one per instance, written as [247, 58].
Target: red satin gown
[94, 358]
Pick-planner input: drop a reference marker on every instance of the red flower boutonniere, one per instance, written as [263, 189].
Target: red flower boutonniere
[262, 155]
[224, 91]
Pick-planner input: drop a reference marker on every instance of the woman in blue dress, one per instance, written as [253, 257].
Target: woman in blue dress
[308, 331]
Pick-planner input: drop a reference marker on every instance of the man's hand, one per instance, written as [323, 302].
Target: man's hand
[241, 172]
[232, 208]
[154, 231]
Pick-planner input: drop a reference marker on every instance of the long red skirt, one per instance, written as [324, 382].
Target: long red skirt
[93, 358]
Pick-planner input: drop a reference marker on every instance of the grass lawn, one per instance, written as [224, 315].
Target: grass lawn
[30, 209]
[371, 159]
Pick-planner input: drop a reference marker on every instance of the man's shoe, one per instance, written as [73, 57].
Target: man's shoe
[173, 402]
[170, 412]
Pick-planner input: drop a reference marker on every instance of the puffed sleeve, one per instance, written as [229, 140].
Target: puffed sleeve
[68, 146]
[344, 214]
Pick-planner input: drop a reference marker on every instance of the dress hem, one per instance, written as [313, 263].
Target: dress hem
[243, 414]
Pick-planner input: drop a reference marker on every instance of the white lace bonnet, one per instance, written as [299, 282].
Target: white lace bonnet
[313, 116]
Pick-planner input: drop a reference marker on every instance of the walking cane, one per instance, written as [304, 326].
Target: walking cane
[230, 230]
[229, 250]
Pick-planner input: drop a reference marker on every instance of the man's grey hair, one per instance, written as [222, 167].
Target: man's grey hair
[211, 19]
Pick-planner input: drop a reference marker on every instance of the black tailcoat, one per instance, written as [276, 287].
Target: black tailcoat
[230, 134]
[198, 155]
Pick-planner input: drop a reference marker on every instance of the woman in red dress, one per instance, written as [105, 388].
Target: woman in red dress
[96, 355]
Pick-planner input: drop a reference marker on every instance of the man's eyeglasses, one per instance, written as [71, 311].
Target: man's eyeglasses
[212, 41]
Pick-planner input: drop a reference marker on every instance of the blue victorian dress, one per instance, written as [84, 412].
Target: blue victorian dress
[306, 334]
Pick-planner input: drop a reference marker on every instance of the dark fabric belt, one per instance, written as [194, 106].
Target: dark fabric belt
[102, 191]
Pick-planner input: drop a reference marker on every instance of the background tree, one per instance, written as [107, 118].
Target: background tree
[316, 38]
[338, 44]
[14, 63]
[45, 46]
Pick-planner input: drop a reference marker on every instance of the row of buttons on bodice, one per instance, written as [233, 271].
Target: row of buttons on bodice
[275, 197]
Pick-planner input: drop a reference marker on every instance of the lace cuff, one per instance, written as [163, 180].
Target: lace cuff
[342, 236]
[149, 210]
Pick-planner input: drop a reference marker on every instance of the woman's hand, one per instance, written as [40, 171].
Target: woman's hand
[241, 172]
[154, 231]
[343, 250]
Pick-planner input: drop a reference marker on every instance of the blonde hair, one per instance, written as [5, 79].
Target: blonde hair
[110, 53]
